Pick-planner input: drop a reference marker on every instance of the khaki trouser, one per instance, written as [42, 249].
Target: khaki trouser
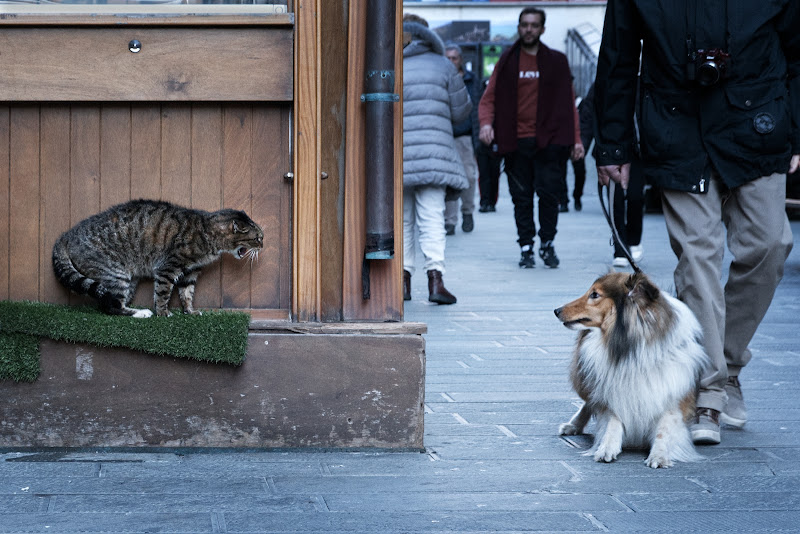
[759, 238]
[467, 197]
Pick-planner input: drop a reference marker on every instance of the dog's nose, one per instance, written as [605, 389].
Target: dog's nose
[557, 311]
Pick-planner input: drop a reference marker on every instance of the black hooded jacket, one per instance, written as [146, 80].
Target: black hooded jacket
[745, 126]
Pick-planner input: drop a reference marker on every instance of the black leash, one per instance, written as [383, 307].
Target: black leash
[610, 219]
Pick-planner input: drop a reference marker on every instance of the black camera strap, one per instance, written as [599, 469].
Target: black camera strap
[691, 41]
[692, 8]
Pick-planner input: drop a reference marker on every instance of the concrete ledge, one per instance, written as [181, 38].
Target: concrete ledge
[350, 389]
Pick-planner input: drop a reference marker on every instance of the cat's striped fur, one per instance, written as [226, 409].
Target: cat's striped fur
[105, 255]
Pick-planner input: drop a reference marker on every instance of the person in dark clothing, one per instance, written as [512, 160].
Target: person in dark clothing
[586, 125]
[528, 111]
[489, 164]
[719, 124]
[628, 203]
[488, 177]
[466, 136]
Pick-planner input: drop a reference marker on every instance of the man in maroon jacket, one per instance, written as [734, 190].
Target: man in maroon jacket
[528, 112]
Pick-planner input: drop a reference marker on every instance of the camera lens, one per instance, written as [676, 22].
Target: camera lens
[708, 73]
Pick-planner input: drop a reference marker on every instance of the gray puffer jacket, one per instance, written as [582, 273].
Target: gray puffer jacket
[434, 97]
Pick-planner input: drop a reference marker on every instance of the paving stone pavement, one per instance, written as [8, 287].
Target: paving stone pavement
[496, 391]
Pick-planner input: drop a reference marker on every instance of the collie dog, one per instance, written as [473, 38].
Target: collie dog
[636, 365]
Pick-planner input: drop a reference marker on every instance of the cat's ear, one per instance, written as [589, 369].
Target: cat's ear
[239, 229]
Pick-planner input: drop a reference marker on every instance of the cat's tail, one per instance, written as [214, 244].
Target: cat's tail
[70, 277]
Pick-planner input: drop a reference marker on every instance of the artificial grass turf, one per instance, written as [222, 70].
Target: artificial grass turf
[215, 336]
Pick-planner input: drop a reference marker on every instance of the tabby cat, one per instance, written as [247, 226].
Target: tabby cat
[105, 255]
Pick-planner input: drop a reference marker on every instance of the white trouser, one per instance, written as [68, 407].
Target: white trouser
[423, 216]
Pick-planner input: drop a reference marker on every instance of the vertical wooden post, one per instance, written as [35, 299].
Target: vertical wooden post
[307, 75]
[386, 300]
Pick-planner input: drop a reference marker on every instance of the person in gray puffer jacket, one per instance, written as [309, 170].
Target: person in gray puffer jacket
[434, 98]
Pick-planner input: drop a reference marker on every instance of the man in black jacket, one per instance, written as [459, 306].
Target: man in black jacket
[719, 120]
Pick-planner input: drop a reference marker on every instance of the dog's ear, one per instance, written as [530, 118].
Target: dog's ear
[640, 287]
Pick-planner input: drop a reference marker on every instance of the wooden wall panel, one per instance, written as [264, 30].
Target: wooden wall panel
[237, 123]
[332, 158]
[386, 301]
[55, 179]
[269, 209]
[115, 156]
[207, 189]
[62, 163]
[174, 64]
[5, 203]
[24, 210]
[84, 169]
[176, 162]
[145, 152]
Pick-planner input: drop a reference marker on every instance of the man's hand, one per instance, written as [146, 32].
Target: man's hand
[577, 152]
[486, 134]
[619, 173]
[794, 164]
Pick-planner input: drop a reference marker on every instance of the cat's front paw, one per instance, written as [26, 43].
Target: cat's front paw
[192, 312]
[142, 314]
[164, 313]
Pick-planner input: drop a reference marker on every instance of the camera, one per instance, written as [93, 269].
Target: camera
[710, 66]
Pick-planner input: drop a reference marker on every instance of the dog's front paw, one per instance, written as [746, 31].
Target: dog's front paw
[606, 454]
[658, 460]
[568, 429]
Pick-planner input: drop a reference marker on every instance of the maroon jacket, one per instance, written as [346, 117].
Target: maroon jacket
[555, 109]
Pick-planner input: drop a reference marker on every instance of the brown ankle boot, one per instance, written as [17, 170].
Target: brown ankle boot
[406, 285]
[437, 292]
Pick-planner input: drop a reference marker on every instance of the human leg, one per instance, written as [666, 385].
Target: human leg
[488, 177]
[760, 240]
[634, 205]
[409, 229]
[580, 179]
[694, 225]
[520, 169]
[467, 154]
[429, 202]
[430, 223]
[550, 168]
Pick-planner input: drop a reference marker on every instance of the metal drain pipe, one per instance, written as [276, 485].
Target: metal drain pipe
[379, 98]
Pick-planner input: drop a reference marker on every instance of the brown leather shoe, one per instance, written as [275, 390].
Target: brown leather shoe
[406, 285]
[437, 292]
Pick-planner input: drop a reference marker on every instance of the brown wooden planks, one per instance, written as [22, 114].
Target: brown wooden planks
[176, 162]
[174, 64]
[63, 163]
[24, 191]
[5, 204]
[115, 154]
[84, 167]
[145, 151]
[236, 182]
[206, 194]
[269, 192]
[55, 179]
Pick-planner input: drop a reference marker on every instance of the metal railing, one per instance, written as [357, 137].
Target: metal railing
[582, 46]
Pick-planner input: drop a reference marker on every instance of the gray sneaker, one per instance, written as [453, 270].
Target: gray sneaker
[705, 428]
[735, 413]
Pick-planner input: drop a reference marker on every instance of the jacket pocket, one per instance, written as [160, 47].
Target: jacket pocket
[666, 128]
[759, 117]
